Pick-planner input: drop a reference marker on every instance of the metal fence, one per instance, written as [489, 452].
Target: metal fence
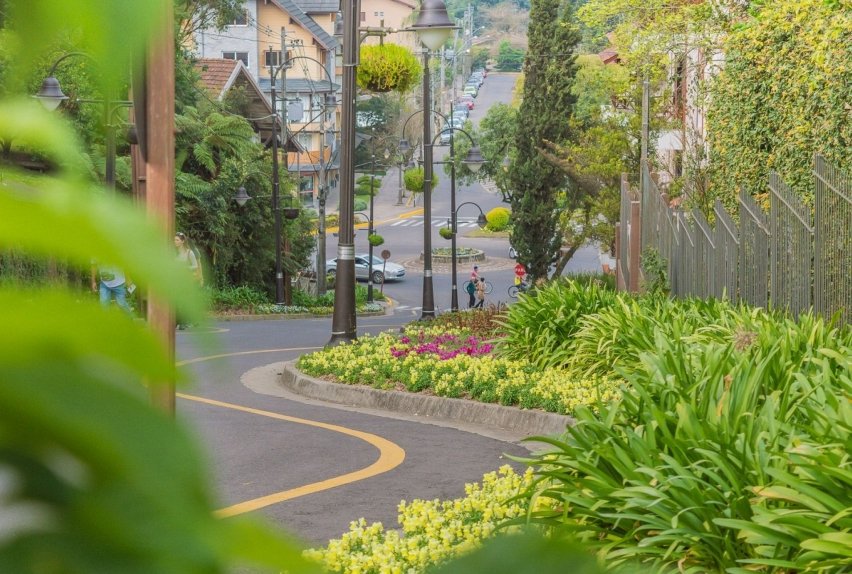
[789, 258]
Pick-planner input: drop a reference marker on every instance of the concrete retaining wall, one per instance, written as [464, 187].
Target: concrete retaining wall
[528, 422]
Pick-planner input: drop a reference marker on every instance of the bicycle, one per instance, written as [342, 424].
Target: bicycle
[488, 286]
[521, 287]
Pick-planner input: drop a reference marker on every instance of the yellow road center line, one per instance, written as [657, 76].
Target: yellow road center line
[391, 455]
[239, 353]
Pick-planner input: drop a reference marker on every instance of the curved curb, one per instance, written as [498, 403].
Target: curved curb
[527, 422]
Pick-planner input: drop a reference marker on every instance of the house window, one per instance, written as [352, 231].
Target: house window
[307, 106]
[306, 189]
[272, 58]
[240, 20]
[363, 16]
[379, 14]
[305, 140]
[241, 56]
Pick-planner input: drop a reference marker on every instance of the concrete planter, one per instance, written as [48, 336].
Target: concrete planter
[476, 255]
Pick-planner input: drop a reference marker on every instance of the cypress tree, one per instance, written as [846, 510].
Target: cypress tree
[549, 69]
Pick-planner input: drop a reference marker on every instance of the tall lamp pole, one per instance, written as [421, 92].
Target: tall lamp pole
[473, 160]
[282, 290]
[433, 27]
[343, 319]
[370, 229]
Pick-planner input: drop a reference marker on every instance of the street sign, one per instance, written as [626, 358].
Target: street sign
[520, 270]
[386, 254]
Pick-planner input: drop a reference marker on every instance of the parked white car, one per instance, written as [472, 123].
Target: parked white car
[392, 271]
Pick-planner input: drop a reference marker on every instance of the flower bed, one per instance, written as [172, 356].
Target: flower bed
[432, 531]
[453, 363]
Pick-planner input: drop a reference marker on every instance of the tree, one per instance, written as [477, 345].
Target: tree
[193, 16]
[549, 70]
[495, 138]
[509, 59]
[604, 146]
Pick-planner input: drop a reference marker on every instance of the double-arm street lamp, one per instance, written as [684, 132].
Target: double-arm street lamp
[433, 27]
[282, 288]
[370, 226]
[473, 160]
[51, 96]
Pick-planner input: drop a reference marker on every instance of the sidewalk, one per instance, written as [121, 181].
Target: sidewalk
[385, 206]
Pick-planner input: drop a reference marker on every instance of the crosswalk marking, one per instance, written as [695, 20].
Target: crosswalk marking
[418, 222]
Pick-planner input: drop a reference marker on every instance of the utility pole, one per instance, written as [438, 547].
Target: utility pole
[285, 128]
[321, 201]
[646, 113]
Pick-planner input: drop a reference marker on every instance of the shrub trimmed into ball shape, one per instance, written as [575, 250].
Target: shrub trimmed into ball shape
[446, 233]
[375, 239]
[387, 67]
[413, 179]
[498, 219]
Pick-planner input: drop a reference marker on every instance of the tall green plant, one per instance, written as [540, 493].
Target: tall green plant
[98, 480]
[726, 455]
[540, 327]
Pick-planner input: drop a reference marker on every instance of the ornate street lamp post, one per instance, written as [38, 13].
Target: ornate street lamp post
[433, 27]
[473, 161]
[51, 96]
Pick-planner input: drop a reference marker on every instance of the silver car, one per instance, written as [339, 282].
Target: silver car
[392, 271]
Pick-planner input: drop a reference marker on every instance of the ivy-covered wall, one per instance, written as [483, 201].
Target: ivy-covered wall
[784, 94]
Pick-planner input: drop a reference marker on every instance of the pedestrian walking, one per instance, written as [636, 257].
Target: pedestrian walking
[187, 255]
[471, 292]
[111, 284]
[480, 293]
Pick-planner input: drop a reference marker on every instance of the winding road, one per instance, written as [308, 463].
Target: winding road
[308, 467]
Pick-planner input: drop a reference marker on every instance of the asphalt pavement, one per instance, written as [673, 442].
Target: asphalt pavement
[264, 444]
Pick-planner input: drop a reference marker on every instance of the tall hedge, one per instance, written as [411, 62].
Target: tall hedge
[783, 94]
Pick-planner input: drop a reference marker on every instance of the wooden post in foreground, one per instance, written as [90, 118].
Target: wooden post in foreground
[160, 180]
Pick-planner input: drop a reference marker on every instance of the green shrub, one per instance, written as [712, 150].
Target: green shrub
[654, 272]
[498, 219]
[375, 239]
[413, 179]
[242, 297]
[361, 202]
[363, 187]
[540, 327]
[302, 299]
[385, 67]
[604, 280]
[446, 233]
[729, 454]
